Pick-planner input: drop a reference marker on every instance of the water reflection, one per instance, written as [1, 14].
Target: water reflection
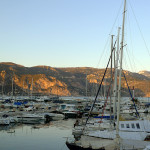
[50, 136]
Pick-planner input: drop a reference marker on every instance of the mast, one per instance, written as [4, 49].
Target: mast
[86, 86]
[104, 88]
[120, 73]
[32, 89]
[2, 90]
[116, 72]
[12, 88]
[111, 78]
[133, 92]
[23, 88]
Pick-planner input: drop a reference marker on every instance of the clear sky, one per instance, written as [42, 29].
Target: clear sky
[73, 33]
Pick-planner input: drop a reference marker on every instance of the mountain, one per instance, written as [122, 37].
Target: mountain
[145, 73]
[47, 80]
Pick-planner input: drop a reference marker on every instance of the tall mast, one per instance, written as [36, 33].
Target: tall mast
[116, 72]
[23, 88]
[111, 77]
[2, 90]
[104, 88]
[133, 93]
[32, 88]
[120, 73]
[12, 88]
[86, 85]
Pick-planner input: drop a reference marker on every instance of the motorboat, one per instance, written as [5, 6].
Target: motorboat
[31, 118]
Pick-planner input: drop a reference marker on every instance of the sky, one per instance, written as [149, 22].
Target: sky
[73, 33]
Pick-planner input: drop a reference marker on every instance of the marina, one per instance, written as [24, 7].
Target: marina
[106, 107]
[44, 126]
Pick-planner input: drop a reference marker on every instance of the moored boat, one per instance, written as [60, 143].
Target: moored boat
[31, 118]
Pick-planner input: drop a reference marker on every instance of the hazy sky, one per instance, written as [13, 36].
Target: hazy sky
[73, 33]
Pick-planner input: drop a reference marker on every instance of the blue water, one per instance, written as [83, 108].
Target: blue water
[50, 136]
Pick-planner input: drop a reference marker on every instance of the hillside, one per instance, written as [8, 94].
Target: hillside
[145, 73]
[47, 80]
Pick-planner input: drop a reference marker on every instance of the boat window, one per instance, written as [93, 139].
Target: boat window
[122, 125]
[63, 106]
[133, 126]
[127, 125]
[137, 125]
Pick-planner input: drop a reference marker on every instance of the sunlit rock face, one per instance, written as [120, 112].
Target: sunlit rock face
[41, 84]
[77, 81]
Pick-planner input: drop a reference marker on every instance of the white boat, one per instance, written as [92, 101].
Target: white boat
[91, 126]
[58, 117]
[31, 118]
[124, 126]
[131, 130]
[53, 116]
[67, 107]
[13, 119]
[4, 121]
[127, 110]
[69, 110]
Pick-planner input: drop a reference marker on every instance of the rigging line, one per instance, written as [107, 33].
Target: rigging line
[116, 17]
[110, 33]
[137, 113]
[140, 63]
[130, 65]
[102, 53]
[125, 65]
[98, 90]
[140, 30]
[105, 104]
[131, 42]
[99, 86]
[129, 60]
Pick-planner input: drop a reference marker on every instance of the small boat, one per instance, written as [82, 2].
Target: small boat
[4, 121]
[53, 116]
[90, 143]
[69, 110]
[31, 118]
[105, 116]
[70, 114]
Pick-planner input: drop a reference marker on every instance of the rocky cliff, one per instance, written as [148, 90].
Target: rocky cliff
[47, 80]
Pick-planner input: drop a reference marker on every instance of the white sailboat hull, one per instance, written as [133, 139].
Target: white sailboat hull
[106, 134]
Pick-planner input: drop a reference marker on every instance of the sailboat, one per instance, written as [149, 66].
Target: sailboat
[127, 134]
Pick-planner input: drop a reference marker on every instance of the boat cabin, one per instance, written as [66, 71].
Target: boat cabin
[135, 125]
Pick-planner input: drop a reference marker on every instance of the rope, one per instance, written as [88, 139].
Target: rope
[97, 92]
[106, 101]
[137, 113]
[105, 104]
[99, 86]
[140, 30]
[118, 13]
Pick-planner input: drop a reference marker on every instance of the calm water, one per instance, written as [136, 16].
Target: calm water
[50, 136]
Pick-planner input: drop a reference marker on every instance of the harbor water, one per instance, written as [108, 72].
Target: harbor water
[51, 136]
